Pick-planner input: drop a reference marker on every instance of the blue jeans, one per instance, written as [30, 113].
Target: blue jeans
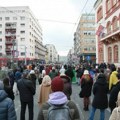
[92, 113]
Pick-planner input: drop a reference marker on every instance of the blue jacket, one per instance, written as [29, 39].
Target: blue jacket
[7, 110]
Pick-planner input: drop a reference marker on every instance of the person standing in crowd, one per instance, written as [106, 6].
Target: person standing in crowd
[33, 78]
[69, 72]
[8, 89]
[100, 100]
[113, 77]
[116, 111]
[27, 90]
[62, 70]
[57, 97]
[53, 73]
[67, 86]
[113, 95]
[86, 87]
[45, 90]
[7, 109]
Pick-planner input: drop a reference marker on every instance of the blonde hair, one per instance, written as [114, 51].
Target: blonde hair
[87, 77]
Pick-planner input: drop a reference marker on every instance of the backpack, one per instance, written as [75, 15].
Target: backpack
[61, 112]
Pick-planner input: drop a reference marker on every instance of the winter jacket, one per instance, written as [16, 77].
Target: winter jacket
[113, 79]
[26, 89]
[113, 96]
[58, 98]
[86, 87]
[116, 112]
[100, 90]
[7, 110]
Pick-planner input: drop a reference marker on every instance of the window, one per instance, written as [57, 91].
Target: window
[22, 39]
[99, 14]
[114, 23]
[0, 32]
[22, 53]
[0, 18]
[116, 54]
[108, 27]
[0, 39]
[0, 54]
[22, 24]
[0, 25]
[14, 18]
[0, 47]
[109, 54]
[7, 18]
[22, 18]
[22, 32]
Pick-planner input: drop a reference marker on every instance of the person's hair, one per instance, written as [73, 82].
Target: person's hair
[87, 77]
[6, 81]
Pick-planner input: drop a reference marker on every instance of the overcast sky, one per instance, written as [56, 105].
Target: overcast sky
[57, 18]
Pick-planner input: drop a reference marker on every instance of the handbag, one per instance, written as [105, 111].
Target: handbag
[81, 94]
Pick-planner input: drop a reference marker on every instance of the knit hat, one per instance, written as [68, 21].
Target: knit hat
[86, 72]
[57, 84]
[46, 80]
[1, 85]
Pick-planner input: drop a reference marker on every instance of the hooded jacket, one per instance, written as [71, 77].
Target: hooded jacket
[100, 90]
[58, 98]
[7, 110]
[116, 112]
[113, 79]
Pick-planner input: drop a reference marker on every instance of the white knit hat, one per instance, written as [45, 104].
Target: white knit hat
[86, 72]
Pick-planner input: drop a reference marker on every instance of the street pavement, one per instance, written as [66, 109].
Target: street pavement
[75, 97]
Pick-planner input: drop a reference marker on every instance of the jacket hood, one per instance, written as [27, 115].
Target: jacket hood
[57, 98]
[101, 79]
[3, 95]
[46, 81]
[115, 72]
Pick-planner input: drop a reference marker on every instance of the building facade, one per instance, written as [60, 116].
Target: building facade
[20, 34]
[52, 56]
[84, 38]
[107, 14]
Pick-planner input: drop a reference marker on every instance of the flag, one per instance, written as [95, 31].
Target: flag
[100, 30]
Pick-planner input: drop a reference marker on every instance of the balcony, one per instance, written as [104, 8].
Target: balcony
[8, 49]
[8, 42]
[110, 34]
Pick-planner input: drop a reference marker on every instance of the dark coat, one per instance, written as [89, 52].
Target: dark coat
[100, 90]
[26, 89]
[9, 91]
[113, 96]
[7, 110]
[86, 87]
[67, 86]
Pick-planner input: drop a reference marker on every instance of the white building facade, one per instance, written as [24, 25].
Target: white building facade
[53, 56]
[20, 34]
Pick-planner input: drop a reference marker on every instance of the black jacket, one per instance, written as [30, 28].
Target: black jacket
[100, 90]
[113, 96]
[26, 90]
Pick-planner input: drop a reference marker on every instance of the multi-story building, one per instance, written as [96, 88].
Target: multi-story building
[52, 53]
[107, 19]
[20, 34]
[84, 38]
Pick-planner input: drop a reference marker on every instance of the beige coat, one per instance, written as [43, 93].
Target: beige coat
[116, 112]
[45, 90]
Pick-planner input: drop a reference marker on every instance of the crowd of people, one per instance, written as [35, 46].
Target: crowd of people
[55, 90]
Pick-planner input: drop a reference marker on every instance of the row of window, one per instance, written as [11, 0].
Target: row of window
[110, 4]
[13, 11]
[14, 18]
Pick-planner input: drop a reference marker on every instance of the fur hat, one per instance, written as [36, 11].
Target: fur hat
[86, 72]
[57, 84]
[46, 80]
